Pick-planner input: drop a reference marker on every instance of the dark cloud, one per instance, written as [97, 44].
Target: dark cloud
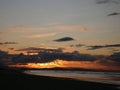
[37, 49]
[67, 56]
[115, 57]
[64, 39]
[51, 55]
[102, 1]
[102, 46]
[7, 43]
[95, 47]
[48, 56]
[3, 54]
[107, 1]
[77, 45]
[3, 58]
[113, 14]
[23, 59]
[29, 48]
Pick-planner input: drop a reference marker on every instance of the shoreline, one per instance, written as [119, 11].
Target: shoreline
[77, 75]
[12, 80]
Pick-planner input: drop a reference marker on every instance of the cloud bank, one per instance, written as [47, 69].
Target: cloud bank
[52, 58]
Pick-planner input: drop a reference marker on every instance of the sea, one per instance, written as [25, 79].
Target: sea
[93, 76]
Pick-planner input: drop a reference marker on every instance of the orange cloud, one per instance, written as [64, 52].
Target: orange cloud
[22, 29]
[63, 27]
[95, 65]
[40, 35]
[50, 26]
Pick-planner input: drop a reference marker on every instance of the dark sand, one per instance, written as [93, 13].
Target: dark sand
[13, 80]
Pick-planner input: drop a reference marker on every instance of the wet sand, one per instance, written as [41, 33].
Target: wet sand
[15, 80]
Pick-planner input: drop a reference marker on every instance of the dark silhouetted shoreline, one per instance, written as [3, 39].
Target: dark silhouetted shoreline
[15, 80]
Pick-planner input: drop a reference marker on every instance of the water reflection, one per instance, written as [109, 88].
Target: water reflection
[103, 77]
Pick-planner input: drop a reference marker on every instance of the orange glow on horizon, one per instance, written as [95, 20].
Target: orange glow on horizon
[69, 64]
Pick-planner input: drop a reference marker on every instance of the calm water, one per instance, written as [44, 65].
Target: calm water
[103, 77]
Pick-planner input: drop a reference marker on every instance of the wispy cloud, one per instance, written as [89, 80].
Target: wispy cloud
[102, 1]
[6, 43]
[102, 46]
[36, 49]
[40, 35]
[21, 29]
[76, 27]
[26, 29]
[77, 45]
[50, 26]
[107, 1]
[113, 14]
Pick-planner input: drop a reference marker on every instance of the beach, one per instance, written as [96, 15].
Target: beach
[16, 80]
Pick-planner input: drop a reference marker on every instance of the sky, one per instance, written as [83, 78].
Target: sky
[88, 30]
[37, 23]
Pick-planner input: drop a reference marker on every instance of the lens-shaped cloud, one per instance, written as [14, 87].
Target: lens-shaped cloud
[64, 39]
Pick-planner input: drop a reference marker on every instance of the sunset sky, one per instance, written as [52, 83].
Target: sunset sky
[36, 23]
[91, 27]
